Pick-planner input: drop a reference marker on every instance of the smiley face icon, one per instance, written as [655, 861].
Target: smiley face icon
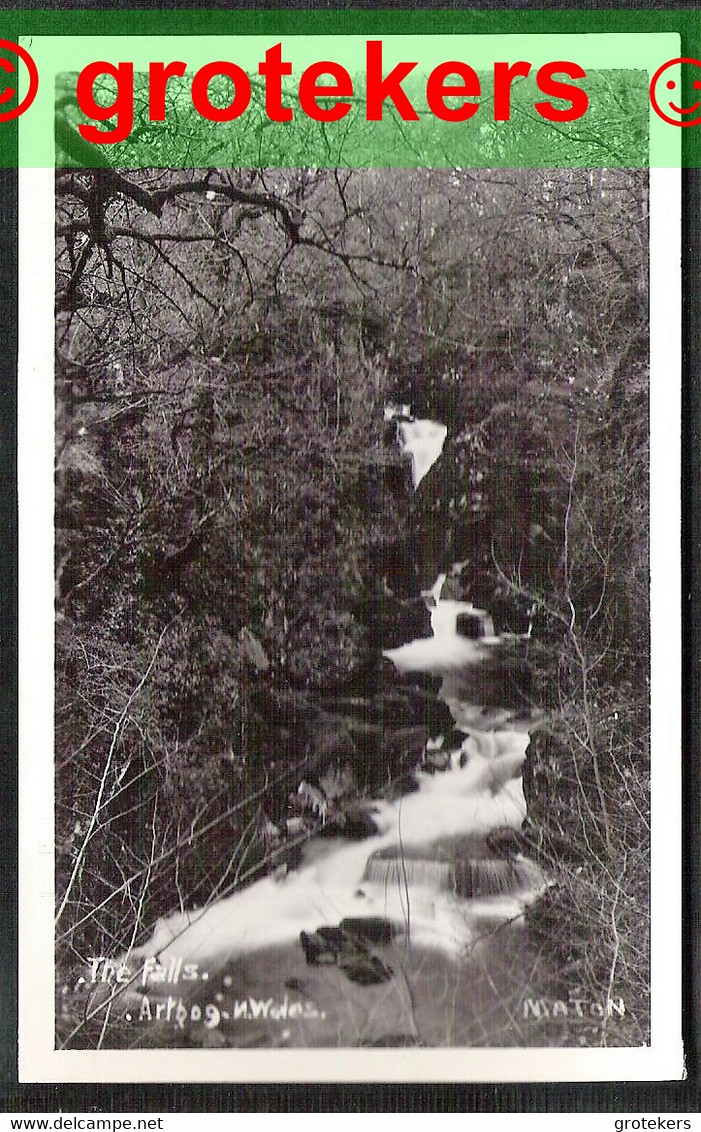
[668, 99]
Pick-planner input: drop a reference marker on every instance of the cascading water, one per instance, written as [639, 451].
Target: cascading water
[335, 880]
[423, 441]
[407, 907]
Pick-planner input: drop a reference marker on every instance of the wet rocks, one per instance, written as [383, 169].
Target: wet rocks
[437, 760]
[371, 929]
[365, 970]
[356, 822]
[346, 946]
[318, 951]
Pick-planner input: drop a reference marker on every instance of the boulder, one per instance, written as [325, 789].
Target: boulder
[366, 971]
[372, 929]
[317, 950]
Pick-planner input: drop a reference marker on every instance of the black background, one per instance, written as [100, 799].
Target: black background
[623, 1097]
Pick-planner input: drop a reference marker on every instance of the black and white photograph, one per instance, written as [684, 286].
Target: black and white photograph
[352, 642]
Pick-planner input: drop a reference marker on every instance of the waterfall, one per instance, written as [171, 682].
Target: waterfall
[420, 841]
[479, 793]
[462, 635]
[423, 441]
[410, 871]
[476, 879]
[471, 878]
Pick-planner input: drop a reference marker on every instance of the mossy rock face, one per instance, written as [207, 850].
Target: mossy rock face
[367, 735]
[332, 743]
[393, 622]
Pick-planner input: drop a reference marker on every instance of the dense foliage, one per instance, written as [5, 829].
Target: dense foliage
[237, 536]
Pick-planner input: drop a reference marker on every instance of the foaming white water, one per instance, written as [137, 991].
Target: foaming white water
[440, 654]
[470, 717]
[447, 649]
[483, 794]
[423, 441]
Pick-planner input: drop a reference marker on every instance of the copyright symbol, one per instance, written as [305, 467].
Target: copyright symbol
[8, 92]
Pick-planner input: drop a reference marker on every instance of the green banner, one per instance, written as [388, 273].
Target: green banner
[409, 89]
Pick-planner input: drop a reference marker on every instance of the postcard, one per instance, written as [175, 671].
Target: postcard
[349, 426]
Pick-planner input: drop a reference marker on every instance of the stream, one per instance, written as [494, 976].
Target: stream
[414, 934]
